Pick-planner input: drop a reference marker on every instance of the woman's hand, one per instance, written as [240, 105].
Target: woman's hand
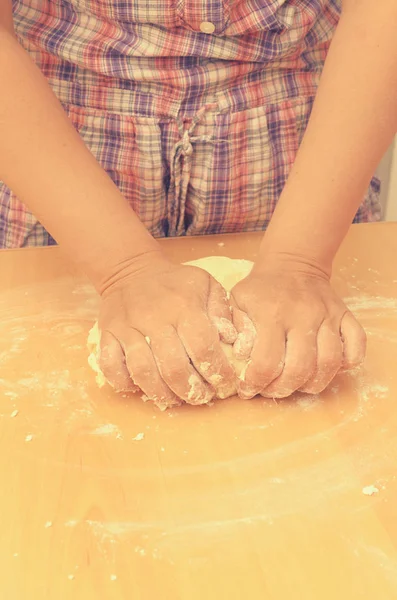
[161, 326]
[299, 334]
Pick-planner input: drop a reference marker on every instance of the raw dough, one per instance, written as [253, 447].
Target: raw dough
[227, 271]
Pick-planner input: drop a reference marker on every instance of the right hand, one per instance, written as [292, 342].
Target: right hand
[161, 326]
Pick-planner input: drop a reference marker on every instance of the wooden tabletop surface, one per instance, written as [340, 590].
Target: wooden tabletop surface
[257, 500]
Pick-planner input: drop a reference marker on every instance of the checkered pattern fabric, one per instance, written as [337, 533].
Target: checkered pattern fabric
[199, 131]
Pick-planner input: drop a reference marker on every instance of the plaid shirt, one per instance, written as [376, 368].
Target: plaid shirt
[195, 108]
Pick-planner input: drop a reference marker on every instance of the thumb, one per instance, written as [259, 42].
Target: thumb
[246, 332]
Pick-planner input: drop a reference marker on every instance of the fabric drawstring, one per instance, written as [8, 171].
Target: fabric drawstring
[181, 166]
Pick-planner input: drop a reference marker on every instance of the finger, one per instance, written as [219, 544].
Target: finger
[219, 312]
[354, 342]
[266, 364]
[329, 359]
[201, 341]
[246, 333]
[112, 364]
[143, 370]
[299, 366]
[176, 369]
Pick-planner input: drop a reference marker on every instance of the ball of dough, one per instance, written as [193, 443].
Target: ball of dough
[227, 271]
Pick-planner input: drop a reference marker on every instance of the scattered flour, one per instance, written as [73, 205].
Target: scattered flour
[107, 429]
[308, 401]
[370, 490]
[365, 302]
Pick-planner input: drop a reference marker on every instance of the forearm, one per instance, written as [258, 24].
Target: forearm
[45, 162]
[353, 121]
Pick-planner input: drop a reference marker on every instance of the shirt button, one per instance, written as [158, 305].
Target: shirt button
[207, 27]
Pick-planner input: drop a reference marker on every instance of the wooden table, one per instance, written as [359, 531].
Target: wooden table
[257, 500]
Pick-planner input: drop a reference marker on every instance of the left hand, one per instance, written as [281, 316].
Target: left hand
[304, 333]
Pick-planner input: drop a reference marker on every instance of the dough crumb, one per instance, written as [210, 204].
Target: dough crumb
[48, 524]
[215, 379]
[14, 413]
[71, 577]
[113, 577]
[147, 338]
[138, 437]
[205, 366]
[370, 490]
[29, 438]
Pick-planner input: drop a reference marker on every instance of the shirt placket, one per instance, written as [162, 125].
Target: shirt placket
[204, 16]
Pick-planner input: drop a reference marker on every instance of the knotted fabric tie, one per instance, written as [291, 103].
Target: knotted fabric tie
[181, 166]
